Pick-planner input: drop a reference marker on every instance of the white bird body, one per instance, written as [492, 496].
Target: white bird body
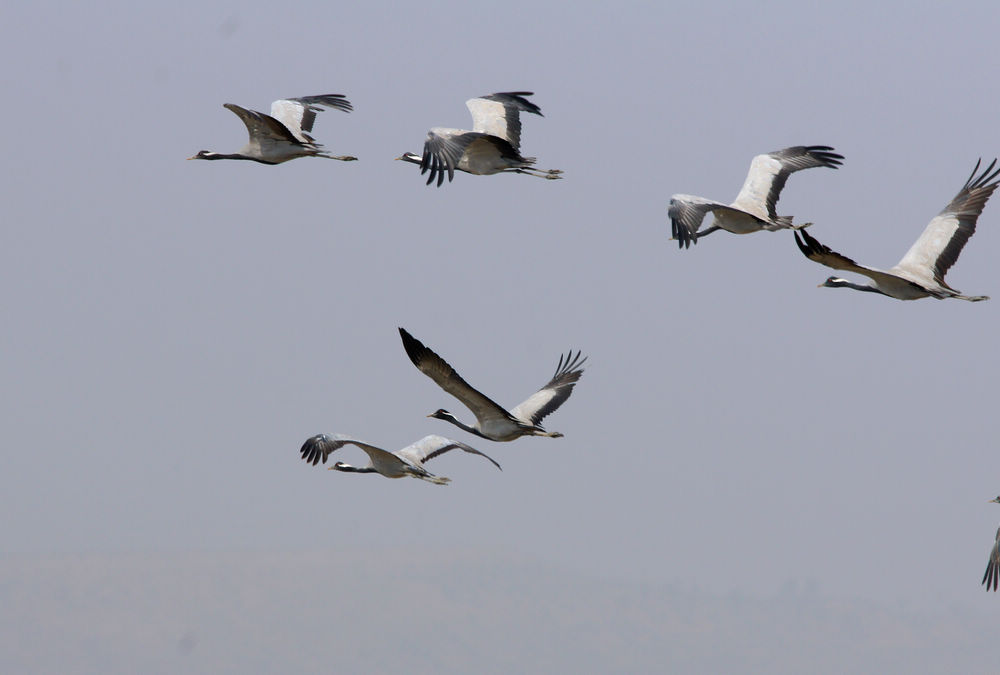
[406, 462]
[492, 146]
[284, 134]
[920, 272]
[753, 209]
[493, 422]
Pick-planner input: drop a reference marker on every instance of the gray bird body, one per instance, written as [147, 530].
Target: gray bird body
[492, 146]
[406, 462]
[285, 133]
[493, 422]
[920, 273]
[753, 209]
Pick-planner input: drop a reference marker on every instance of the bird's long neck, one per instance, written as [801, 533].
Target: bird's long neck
[347, 468]
[448, 417]
[221, 155]
[844, 283]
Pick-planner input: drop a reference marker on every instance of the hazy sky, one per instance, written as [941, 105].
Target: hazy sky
[756, 474]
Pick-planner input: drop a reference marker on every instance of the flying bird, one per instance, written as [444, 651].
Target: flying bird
[406, 462]
[492, 421]
[493, 145]
[993, 564]
[284, 134]
[921, 271]
[754, 207]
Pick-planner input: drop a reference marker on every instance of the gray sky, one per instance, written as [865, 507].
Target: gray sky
[174, 330]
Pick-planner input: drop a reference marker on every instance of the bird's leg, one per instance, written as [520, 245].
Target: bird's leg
[428, 476]
[801, 227]
[551, 175]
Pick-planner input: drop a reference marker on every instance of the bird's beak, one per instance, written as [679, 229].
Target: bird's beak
[193, 157]
[432, 415]
[819, 285]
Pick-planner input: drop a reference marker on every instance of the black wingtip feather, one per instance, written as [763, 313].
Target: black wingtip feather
[338, 101]
[680, 233]
[517, 99]
[825, 154]
[311, 449]
[984, 179]
[414, 347]
[809, 245]
[992, 576]
[801, 244]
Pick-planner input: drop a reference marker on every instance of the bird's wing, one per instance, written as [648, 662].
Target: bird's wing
[499, 114]
[299, 114]
[444, 148]
[554, 394]
[436, 368]
[429, 447]
[937, 249]
[769, 172]
[686, 213]
[992, 576]
[318, 448]
[263, 129]
[824, 255]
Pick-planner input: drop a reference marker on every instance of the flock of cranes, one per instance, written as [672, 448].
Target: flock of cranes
[920, 273]
[493, 145]
[492, 421]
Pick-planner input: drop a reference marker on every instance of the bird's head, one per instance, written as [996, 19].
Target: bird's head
[834, 282]
[441, 414]
[409, 157]
[205, 154]
[995, 501]
[338, 466]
